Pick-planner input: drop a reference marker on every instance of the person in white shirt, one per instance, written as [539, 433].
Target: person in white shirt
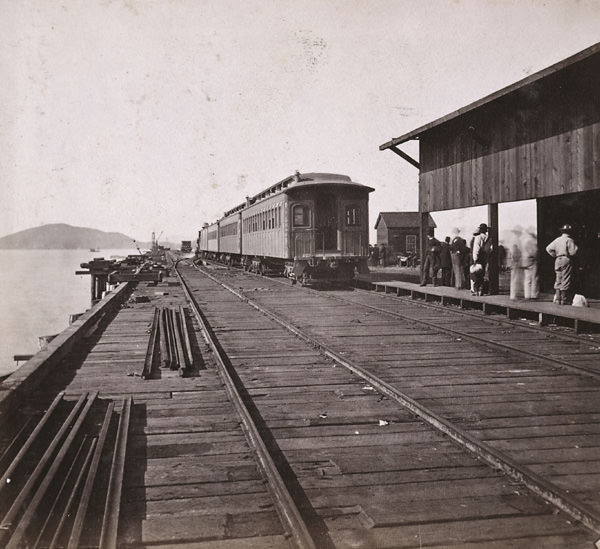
[562, 249]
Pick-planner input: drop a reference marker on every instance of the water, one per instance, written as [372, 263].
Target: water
[38, 291]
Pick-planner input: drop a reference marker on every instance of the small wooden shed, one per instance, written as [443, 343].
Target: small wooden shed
[399, 231]
[536, 139]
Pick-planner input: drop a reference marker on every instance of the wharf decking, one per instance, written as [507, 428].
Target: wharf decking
[544, 310]
[362, 470]
[190, 475]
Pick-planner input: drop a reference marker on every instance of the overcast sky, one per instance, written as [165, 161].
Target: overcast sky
[157, 115]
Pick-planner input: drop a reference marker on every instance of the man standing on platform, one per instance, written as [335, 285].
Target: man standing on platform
[446, 262]
[482, 250]
[431, 266]
[529, 262]
[458, 253]
[562, 249]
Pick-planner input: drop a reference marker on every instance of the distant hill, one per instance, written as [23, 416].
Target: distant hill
[60, 236]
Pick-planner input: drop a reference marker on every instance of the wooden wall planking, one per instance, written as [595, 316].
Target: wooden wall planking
[560, 164]
[540, 140]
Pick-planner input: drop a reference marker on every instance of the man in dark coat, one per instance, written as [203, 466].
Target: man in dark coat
[459, 256]
[431, 265]
[446, 262]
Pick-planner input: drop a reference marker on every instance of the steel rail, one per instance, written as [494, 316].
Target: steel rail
[150, 351]
[290, 516]
[186, 337]
[497, 459]
[487, 318]
[164, 339]
[29, 514]
[62, 489]
[5, 480]
[24, 494]
[110, 522]
[580, 370]
[556, 362]
[72, 496]
[86, 495]
[178, 343]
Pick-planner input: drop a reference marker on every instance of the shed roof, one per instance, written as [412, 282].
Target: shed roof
[531, 79]
[394, 220]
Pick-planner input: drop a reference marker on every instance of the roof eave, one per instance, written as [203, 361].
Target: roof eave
[416, 133]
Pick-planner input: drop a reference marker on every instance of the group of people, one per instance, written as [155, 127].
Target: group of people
[378, 255]
[466, 266]
[462, 266]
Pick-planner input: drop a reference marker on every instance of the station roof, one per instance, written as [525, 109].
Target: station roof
[414, 134]
[394, 220]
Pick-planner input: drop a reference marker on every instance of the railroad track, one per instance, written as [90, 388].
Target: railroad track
[240, 289]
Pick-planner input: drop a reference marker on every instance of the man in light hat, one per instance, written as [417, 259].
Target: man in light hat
[562, 249]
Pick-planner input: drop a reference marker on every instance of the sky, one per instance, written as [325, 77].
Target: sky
[158, 115]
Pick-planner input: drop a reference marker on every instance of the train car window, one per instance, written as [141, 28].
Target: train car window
[300, 216]
[352, 216]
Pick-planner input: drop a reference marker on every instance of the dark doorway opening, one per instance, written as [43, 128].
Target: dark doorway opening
[581, 211]
[326, 222]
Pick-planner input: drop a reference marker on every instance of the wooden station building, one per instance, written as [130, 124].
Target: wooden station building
[536, 139]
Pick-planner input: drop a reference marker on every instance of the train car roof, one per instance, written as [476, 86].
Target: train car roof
[295, 181]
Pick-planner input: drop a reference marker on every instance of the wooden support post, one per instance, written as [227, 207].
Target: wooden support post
[93, 287]
[103, 282]
[493, 268]
[487, 308]
[423, 239]
[543, 319]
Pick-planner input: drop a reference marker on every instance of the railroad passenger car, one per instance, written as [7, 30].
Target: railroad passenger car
[212, 239]
[308, 226]
[230, 238]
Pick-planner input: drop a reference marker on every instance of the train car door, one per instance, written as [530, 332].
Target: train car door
[326, 222]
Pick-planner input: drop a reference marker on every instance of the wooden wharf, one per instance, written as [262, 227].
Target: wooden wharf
[360, 469]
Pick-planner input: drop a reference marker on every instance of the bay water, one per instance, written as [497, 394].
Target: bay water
[38, 291]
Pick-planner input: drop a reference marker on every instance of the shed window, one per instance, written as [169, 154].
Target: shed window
[352, 216]
[411, 244]
[301, 216]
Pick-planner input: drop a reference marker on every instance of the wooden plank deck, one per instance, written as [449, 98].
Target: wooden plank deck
[546, 311]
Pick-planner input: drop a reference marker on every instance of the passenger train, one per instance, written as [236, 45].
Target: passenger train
[309, 227]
